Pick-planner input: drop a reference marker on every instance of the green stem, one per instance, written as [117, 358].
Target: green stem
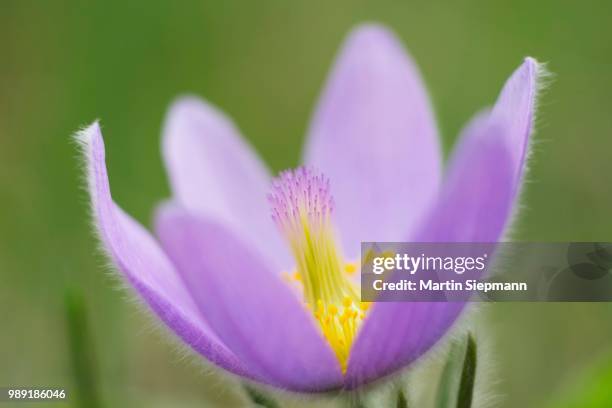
[81, 351]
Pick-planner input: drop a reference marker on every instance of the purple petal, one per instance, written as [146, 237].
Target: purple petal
[474, 206]
[515, 108]
[374, 136]
[249, 307]
[214, 172]
[144, 264]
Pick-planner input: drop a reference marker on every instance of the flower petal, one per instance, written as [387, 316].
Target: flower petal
[374, 136]
[474, 206]
[480, 189]
[249, 307]
[144, 264]
[214, 172]
[515, 108]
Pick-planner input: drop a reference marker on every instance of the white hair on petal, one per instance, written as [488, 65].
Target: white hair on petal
[543, 79]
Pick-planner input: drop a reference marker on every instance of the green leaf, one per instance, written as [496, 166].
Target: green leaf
[468, 375]
[592, 389]
[81, 351]
[259, 398]
[402, 401]
[456, 385]
[449, 379]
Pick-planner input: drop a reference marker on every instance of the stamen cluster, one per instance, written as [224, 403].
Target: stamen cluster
[302, 205]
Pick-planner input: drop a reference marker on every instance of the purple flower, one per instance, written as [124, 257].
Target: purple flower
[274, 299]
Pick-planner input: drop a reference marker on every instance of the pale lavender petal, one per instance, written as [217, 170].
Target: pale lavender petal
[251, 309]
[474, 205]
[515, 108]
[374, 136]
[214, 172]
[144, 264]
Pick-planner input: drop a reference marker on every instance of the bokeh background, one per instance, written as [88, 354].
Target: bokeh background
[65, 63]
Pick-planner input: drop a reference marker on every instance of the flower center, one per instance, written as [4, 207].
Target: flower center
[302, 205]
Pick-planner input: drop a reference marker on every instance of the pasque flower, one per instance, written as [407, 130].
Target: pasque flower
[258, 274]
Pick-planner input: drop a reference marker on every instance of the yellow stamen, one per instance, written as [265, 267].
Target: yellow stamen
[350, 268]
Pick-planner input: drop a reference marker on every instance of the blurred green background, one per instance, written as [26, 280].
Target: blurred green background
[65, 63]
